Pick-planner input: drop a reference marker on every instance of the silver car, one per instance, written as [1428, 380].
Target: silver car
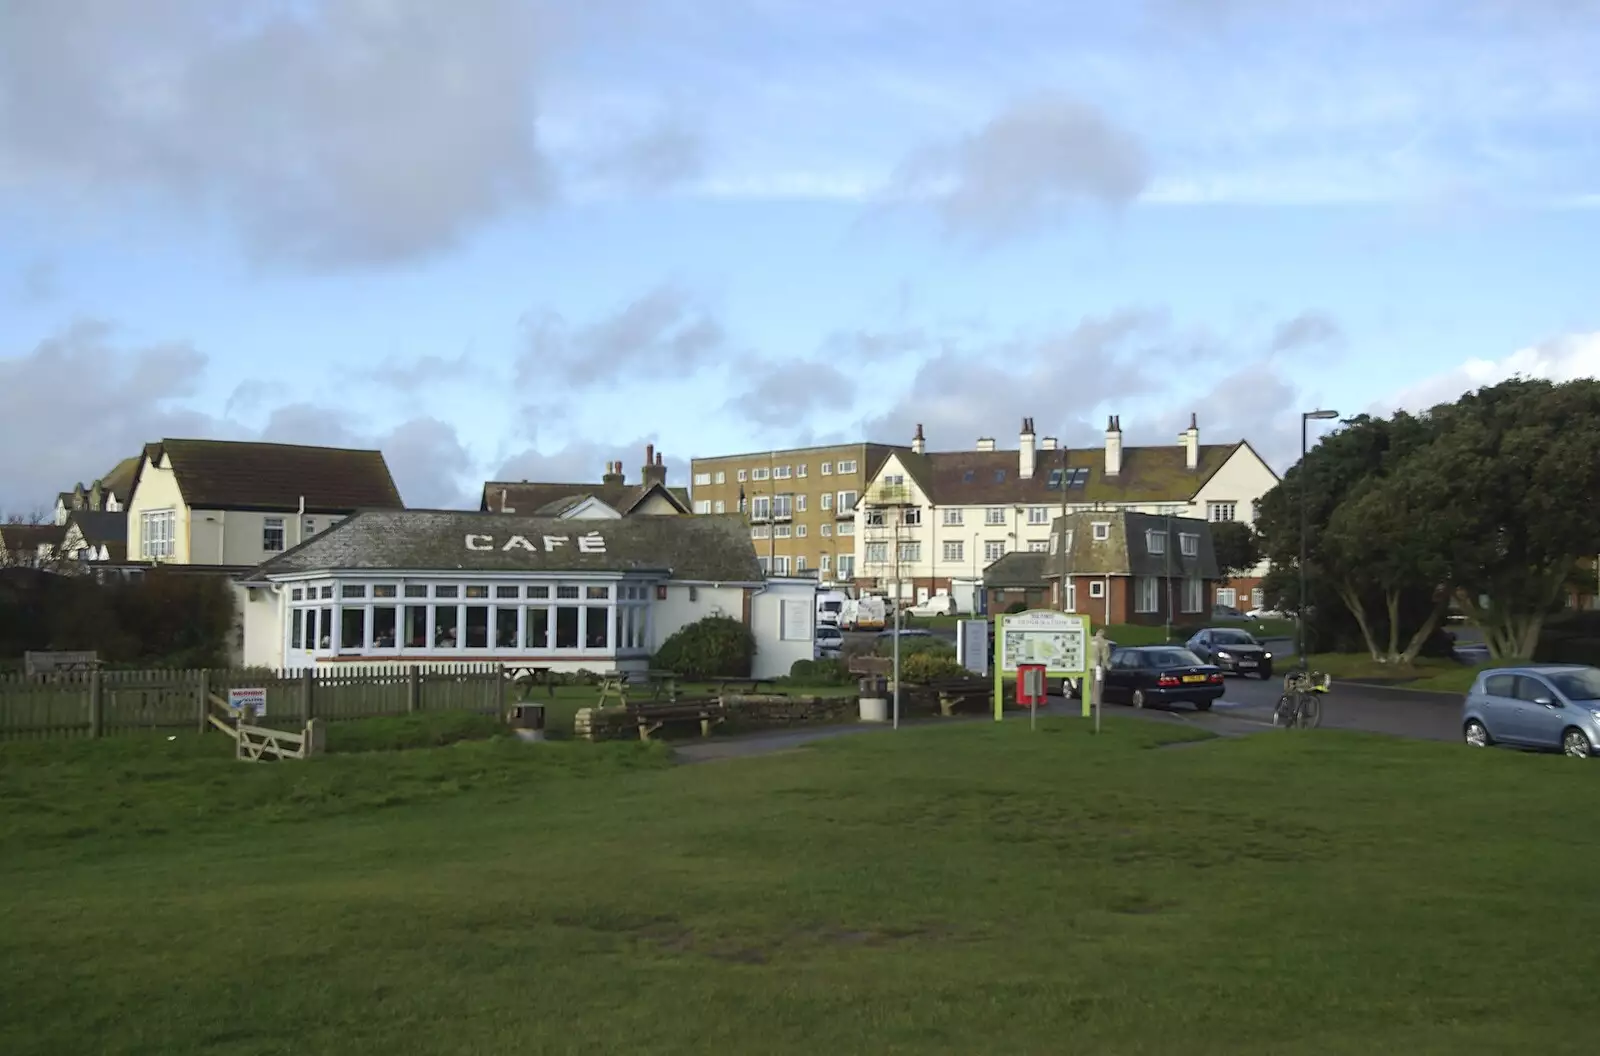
[1551, 706]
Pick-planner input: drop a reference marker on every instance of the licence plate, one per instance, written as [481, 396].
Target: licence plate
[1247, 663]
[1194, 678]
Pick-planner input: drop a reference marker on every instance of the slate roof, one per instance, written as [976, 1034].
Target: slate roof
[233, 475]
[28, 537]
[119, 481]
[989, 478]
[552, 500]
[1126, 552]
[1019, 568]
[712, 548]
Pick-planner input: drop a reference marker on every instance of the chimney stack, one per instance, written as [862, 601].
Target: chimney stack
[985, 443]
[1114, 446]
[1025, 451]
[918, 444]
[614, 474]
[655, 470]
[1190, 439]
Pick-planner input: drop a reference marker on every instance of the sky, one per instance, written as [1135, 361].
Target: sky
[517, 239]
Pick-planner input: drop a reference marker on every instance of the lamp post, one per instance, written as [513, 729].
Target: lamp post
[1300, 620]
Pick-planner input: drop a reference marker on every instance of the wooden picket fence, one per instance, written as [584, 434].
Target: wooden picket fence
[100, 703]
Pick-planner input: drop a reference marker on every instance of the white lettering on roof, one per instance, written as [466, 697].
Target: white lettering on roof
[480, 542]
[588, 543]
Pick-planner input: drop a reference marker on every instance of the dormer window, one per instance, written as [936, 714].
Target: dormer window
[1189, 544]
[1102, 531]
[1155, 542]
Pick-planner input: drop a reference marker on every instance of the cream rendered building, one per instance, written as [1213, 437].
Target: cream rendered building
[934, 520]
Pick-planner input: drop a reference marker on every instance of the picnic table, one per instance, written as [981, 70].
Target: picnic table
[655, 686]
[525, 678]
[748, 685]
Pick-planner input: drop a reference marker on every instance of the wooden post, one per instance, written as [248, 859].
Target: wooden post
[202, 699]
[95, 703]
[308, 679]
[413, 690]
[500, 688]
[316, 742]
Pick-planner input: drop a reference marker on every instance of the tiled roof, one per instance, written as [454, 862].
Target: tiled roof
[555, 499]
[230, 475]
[989, 478]
[100, 527]
[712, 548]
[119, 481]
[18, 537]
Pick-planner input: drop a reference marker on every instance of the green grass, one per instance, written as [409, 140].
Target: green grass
[1433, 674]
[970, 889]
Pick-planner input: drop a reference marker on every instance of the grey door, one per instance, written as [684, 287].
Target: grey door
[1538, 716]
[1497, 703]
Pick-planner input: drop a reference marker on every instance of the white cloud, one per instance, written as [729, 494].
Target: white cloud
[1563, 358]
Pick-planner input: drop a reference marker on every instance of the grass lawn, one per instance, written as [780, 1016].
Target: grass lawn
[968, 889]
[1425, 673]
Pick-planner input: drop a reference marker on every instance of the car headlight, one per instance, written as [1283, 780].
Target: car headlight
[1224, 655]
[1595, 712]
[1266, 656]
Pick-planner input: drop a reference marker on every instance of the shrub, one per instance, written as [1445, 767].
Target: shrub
[916, 646]
[714, 647]
[1570, 638]
[820, 673]
[928, 666]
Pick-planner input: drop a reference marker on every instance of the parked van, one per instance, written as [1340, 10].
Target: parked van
[938, 605]
[830, 603]
[864, 614]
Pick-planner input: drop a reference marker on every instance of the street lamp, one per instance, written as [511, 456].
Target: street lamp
[1300, 623]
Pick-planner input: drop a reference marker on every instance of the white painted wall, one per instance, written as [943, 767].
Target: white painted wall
[261, 611]
[686, 603]
[776, 653]
[158, 490]
[235, 537]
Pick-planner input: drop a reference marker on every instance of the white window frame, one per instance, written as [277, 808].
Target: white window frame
[760, 473]
[741, 476]
[1193, 594]
[780, 565]
[994, 515]
[913, 517]
[720, 507]
[827, 468]
[1097, 588]
[1188, 544]
[800, 531]
[910, 553]
[827, 529]
[800, 470]
[1222, 511]
[781, 473]
[702, 506]
[1072, 595]
[955, 550]
[846, 528]
[845, 502]
[761, 508]
[782, 531]
[952, 516]
[157, 531]
[1146, 595]
[1155, 541]
[876, 553]
[1228, 596]
[1102, 531]
[846, 466]
[269, 525]
[1039, 546]
[722, 476]
[845, 567]
[993, 550]
[827, 500]
[799, 504]
[702, 479]
[1038, 515]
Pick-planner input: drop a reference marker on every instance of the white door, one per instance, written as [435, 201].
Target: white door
[922, 595]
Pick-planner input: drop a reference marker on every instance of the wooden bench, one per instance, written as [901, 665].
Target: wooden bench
[651, 717]
[871, 666]
[953, 693]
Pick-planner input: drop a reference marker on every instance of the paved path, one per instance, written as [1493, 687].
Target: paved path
[1246, 708]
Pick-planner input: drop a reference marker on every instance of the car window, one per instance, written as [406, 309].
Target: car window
[1125, 659]
[1583, 684]
[1232, 638]
[1172, 658]
[1530, 688]
[1499, 685]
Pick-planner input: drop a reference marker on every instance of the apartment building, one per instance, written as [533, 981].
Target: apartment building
[933, 521]
[800, 503]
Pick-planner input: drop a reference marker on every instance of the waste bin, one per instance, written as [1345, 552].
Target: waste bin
[527, 721]
[875, 699]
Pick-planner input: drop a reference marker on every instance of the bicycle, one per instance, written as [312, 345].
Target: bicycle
[1300, 707]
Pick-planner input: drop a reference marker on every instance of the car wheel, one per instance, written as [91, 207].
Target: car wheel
[1265, 673]
[1137, 700]
[1072, 688]
[1477, 734]
[1575, 742]
[1202, 705]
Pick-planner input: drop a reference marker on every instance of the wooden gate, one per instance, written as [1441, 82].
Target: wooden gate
[257, 743]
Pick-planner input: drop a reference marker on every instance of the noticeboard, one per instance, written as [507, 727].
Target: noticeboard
[1057, 641]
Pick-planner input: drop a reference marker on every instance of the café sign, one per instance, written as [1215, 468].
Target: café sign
[588, 543]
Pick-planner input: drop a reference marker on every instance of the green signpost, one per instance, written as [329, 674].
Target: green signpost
[1057, 640]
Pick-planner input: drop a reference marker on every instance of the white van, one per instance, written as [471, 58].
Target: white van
[938, 605]
[830, 603]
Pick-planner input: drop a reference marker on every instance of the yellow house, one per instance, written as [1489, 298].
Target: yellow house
[610, 499]
[227, 503]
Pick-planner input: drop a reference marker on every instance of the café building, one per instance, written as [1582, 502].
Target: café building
[440, 586]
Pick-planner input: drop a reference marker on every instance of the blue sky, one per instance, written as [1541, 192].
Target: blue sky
[518, 238]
